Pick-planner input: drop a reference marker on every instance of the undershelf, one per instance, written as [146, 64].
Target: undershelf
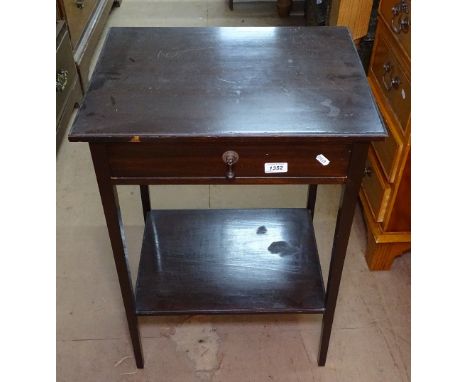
[229, 261]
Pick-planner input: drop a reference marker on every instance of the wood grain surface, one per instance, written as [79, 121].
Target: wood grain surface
[153, 83]
[229, 261]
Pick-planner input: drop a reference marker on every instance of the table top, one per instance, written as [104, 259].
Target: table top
[153, 83]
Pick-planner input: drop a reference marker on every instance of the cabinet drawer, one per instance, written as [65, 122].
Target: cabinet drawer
[397, 15]
[375, 188]
[78, 13]
[388, 153]
[392, 80]
[204, 160]
[65, 70]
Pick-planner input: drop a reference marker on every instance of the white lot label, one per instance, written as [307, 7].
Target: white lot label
[322, 159]
[271, 168]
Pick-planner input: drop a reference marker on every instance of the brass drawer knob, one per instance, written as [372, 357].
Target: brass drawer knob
[394, 82]
[400, 20]
[61, 80]
[230, 158]
[404, 24]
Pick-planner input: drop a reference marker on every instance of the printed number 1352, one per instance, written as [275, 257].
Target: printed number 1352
[275, 167]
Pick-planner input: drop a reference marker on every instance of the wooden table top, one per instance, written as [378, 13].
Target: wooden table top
[152, 83]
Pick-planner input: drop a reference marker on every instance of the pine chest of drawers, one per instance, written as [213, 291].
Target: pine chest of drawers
[385, 192]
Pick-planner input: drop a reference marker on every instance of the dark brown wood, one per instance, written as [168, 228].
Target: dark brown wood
[231, 5]
[145, 200]
[222, 82]
[283, 7]
[340, 242]
[165, 104]
[110, 203]
[187, 160]
[311, 199]
[229, 261]
[59, 13]
[202, 180]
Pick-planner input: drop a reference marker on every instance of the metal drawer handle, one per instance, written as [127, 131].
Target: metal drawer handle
[230, 158]
[80, 3]
[394, 81]
[61, 80]
[368, 171]
[402, 23]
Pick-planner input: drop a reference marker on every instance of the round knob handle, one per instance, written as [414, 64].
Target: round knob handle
[80, 3]
[368, 171]
[230, 157]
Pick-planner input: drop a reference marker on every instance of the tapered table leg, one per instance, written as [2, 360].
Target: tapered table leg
[110, 203]
[340, 241]
[145, 199]
[311, 198]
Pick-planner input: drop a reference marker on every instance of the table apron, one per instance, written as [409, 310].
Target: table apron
[224, 181]
[198, 163]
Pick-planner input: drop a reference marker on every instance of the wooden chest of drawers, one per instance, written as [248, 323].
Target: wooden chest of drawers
[385, 192]
[86, 20]
[67, 86]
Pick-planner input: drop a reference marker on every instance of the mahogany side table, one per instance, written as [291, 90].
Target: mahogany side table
[228, 106]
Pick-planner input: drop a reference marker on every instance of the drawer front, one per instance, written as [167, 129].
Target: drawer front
[393, 82]
[397, 15]
[388, 153]
[65, 73]
[375, 188]
[78, 14]
[205, 160]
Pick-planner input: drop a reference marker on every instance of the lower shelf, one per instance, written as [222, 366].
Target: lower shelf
[229, 261]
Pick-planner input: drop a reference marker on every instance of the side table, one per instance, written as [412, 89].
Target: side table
[228, 106]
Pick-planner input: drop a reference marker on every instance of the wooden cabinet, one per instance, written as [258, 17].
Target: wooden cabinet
[67, 86]
[80, 24]
[386, 189]
[78, 14]
[85, 20]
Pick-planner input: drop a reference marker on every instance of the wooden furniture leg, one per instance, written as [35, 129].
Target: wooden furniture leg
[380, 256]
[340, 241]
[110, 203]
[231, 4]
[311, 198]
[145, 199]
